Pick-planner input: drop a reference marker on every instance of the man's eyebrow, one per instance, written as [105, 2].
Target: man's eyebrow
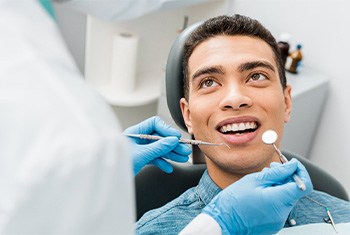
[208, 70]
[255, 64]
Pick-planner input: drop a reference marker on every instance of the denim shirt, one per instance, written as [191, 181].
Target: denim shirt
[175, 215]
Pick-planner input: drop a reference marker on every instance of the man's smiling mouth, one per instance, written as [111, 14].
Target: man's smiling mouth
[238, 128]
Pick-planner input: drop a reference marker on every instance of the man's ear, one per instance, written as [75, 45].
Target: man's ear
[186, 114]
[288, 103]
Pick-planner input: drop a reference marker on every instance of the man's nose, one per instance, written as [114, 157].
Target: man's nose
[235, 97]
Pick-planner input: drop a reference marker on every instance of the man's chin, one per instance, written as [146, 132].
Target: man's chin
[236, 168]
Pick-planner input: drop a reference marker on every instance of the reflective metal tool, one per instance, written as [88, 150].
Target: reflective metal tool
[185, 141]
[270, 137]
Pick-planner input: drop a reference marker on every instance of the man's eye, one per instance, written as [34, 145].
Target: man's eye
[208, 83]
[258, 77]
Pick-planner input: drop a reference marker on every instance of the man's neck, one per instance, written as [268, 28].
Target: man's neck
[224, 178]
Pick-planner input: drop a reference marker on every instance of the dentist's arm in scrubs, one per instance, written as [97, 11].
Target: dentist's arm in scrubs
[65, 167]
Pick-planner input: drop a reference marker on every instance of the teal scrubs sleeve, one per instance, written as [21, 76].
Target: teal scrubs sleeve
[47, 5]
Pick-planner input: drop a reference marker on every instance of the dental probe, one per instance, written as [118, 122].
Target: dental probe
[270, 137]
[185, 141]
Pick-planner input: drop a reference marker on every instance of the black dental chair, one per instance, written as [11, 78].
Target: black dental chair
[155, 188]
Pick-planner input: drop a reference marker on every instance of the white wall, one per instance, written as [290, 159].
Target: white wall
[73, 28]
[322, 26]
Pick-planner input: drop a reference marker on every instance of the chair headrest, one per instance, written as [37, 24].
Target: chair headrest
[174, 76]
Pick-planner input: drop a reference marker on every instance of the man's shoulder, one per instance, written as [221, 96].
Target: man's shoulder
[312, 208]
[172, 217]
[329, 201]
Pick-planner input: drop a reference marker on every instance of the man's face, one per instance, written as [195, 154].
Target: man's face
[235, 95]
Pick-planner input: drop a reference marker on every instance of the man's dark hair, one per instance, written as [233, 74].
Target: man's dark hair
[230, 26]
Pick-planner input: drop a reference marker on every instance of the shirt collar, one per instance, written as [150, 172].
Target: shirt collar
[206, 188]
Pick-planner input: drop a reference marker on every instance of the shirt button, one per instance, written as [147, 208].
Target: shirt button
[292, 222]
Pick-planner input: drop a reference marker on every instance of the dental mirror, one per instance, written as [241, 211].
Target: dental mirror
[269, 137]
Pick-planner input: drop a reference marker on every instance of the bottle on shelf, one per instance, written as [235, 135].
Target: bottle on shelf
[283, 45]
[293, 63]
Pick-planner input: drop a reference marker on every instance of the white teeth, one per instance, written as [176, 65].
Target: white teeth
[238, 126]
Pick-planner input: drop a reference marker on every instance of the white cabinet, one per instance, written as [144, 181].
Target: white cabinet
[309, 93]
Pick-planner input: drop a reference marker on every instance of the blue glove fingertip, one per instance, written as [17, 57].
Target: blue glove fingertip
[290, 166]
[164, 129]
[304, 175]
[183, 158]
[136, 169]
[176, 157]
[300, 165]
[183, 149]
[171, 141]
[278, 172]
[275, 164]
[162, 147]
[163, 165]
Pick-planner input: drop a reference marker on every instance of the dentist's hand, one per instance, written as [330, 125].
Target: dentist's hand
[153, 152]
[259, 203]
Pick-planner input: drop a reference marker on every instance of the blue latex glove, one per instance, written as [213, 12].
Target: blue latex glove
[153, 152]
[259, 203]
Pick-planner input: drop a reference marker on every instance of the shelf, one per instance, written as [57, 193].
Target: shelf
[307, 80]
[147, 90]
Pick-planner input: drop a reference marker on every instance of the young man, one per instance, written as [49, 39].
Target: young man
[235, 90]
